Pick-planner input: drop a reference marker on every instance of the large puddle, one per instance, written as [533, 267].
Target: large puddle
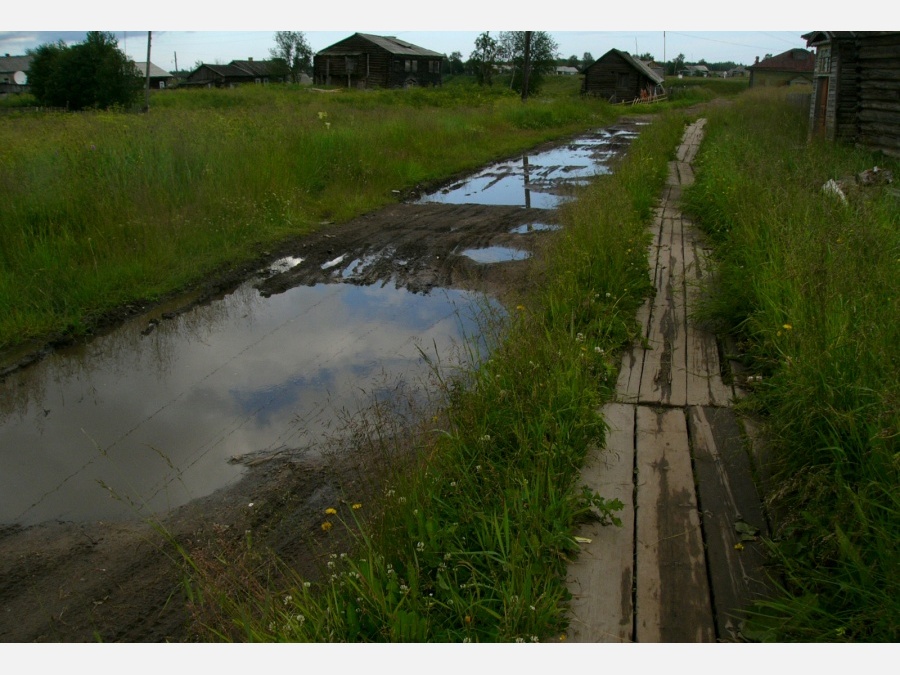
[541, 180]
[137, 423]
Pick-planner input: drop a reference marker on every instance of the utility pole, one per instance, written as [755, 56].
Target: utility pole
[147, 90]
[176, 61]
[526, 66]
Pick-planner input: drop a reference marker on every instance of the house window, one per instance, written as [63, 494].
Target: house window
[823, 60]
[621, 80]
[412, 66]
[434, 67]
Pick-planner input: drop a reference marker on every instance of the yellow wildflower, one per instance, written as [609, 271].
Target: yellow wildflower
[326, 526]
[787, 326]
[356, 507]
[330, 511]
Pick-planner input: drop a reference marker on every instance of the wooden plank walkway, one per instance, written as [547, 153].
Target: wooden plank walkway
[687, 558]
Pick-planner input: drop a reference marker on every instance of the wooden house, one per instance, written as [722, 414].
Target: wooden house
[371, 61]
[14, 74]
[159, 78]
[856, 88]
[617, 76]
[235, 73]
[795, 66]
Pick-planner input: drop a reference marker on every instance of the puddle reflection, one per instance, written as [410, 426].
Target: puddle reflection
[157, 417]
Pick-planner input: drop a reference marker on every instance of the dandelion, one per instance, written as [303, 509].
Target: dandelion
[579, 337]
[356, 507]
[330, 512]
[307, 584]
[485, 439]
[326, 526]
[300, 619]
[788, 326]
[520, 308]
[452, 483]
[598, 350]
[420, 546]
[323, 115]
[250, 505]
[287, 599]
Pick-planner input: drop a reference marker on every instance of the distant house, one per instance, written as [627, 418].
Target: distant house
[370, 61]
[566, 70]
[14, 74]
[795, 66]
[697, 70]
[738, 71]
[159, 78]
[617, 76]
[657, 68]
[235, 73]
[855, 88]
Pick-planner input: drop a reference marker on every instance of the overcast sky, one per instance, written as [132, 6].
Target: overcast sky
[201, 32]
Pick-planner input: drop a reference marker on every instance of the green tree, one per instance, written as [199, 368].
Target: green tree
[587, 60]
[457, 67]
[294, 52]
[484, 58]
[91, 74]
[542, 61]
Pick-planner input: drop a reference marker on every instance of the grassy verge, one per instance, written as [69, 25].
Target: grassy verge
[470, 540]
[808, 285]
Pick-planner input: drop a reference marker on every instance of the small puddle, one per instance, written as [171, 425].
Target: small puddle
[538, 180]
[496, 254]
[137, 422]
[535, 227]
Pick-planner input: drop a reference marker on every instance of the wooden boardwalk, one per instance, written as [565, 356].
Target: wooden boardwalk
[684, 563]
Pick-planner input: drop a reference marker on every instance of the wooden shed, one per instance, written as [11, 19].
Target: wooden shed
[795, 66]
[369, 61]
[235, 73]
[617, 76]
[856, 88]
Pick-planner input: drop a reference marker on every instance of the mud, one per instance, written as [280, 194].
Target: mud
[123, 581]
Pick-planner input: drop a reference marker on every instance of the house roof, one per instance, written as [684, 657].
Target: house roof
[791, 61]
[390, 44]
[224, 71]
[566, 69]
[640, 66]
[257, 68]
[11, 64]
[155, 70]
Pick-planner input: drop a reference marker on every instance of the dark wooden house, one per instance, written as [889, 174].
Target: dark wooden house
[795, 66]
[370, 61]
[856, 88]
[617, 76]
[235, 73]
[159, 78]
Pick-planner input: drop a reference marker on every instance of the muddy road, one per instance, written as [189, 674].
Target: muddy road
[229, 413]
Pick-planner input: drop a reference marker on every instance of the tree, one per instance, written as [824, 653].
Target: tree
[586, 60]
[292, 49]
[573, 61]
[457, 67]
[646, 56]
[484, 58]
[542, 57]
[92, 74]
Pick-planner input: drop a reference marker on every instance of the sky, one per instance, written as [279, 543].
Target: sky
[201, 32]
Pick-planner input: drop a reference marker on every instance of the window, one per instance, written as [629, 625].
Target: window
[412, 66]
[434, 67]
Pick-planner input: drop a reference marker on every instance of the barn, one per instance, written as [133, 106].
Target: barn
[795, 66]
[370, 61]
[617, 76]
[856, 88]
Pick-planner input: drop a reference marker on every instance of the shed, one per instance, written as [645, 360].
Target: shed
[791, 67]
[566, 70]
[618, 76]
[369, 61]
[235, 73]
[856, 88]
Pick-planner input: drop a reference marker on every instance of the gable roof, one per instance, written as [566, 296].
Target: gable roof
[223, 70]
[640, 66]
[155, 70]
[11, 64]
[792, 61]
[256, 68]
[391, 44]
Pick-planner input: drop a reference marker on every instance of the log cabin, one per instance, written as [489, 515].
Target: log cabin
[617, 76]
[366, 61]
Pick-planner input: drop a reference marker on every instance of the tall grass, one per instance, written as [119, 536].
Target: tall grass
[808, 285]
[470, 539]
[102, 209]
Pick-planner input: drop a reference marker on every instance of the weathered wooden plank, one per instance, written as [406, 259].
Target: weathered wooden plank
[733, 519]
[601, 579]
[672, 601]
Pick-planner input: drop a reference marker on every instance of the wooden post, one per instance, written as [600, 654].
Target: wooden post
[526, 66]
[147, 89]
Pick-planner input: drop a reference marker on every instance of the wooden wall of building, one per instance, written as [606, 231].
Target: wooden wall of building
[358, 63]
[614, 79]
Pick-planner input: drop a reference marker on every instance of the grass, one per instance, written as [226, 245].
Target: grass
[808, 286]
[470, 538]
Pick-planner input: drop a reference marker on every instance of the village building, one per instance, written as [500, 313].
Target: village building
[236, 73]
[617, 77]
[14, 74]
[371, 61]
[159, 78]
[566, 70]
[856, 88]
[793, 67]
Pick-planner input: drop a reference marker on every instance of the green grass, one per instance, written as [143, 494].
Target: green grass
[808, 285]
[470, 538]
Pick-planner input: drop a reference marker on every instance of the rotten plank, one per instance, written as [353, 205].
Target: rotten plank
[733, 520]
[601, 578]
[672, 593]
